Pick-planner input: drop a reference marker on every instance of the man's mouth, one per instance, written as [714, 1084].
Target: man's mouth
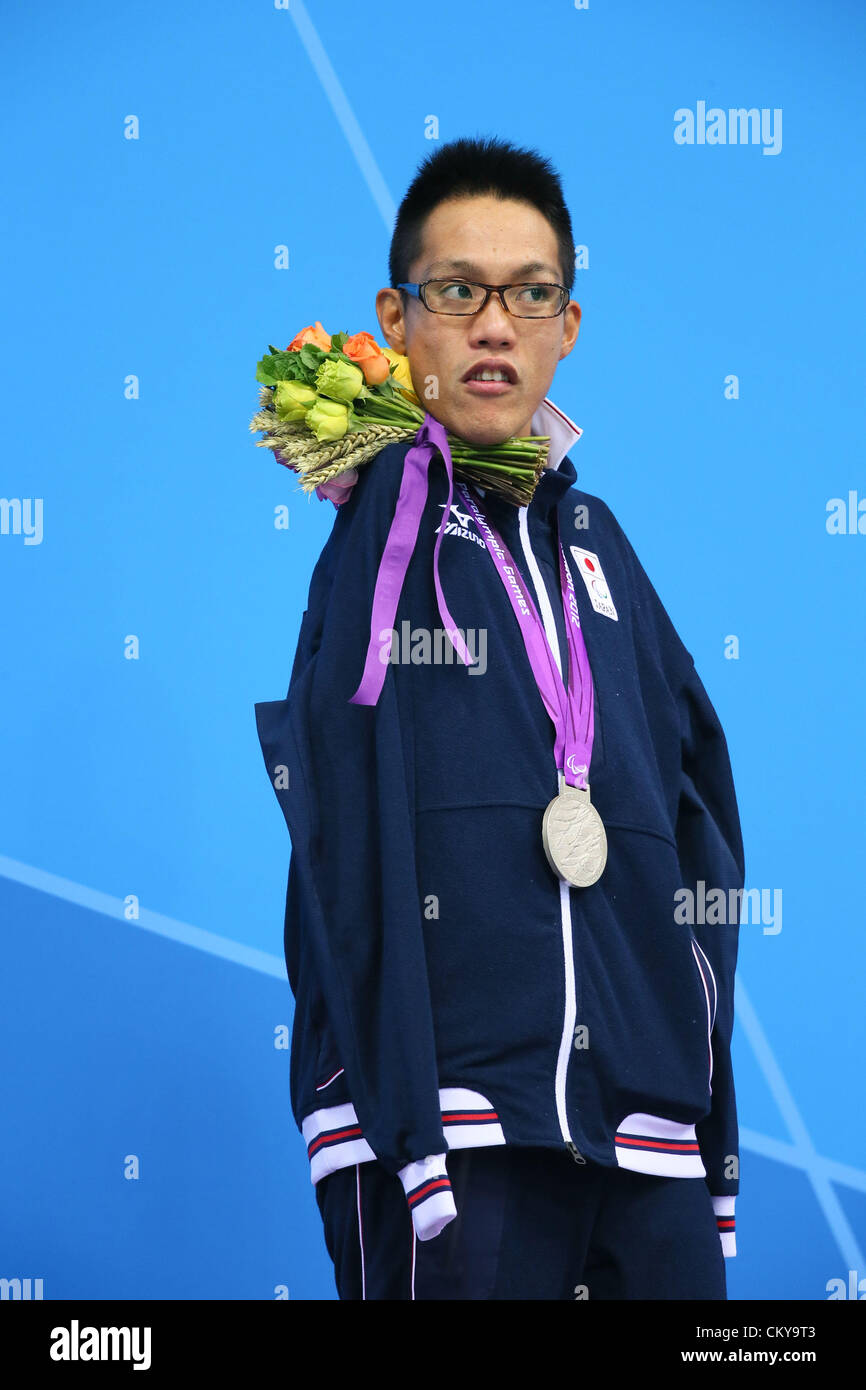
[490, 379]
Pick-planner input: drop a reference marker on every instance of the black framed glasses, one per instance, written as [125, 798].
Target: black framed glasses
[536, 300]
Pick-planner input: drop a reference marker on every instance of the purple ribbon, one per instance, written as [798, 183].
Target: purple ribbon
[397, 554]
[570, 709]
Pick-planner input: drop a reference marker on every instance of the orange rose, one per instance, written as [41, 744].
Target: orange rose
[316, 335]
[363, 349]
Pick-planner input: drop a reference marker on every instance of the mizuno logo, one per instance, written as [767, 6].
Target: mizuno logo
[460, 525]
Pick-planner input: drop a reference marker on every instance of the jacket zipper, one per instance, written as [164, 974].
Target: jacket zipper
[570, 1013]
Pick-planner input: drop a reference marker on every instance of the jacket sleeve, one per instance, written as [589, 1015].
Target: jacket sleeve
[711, 849]
[348, 804]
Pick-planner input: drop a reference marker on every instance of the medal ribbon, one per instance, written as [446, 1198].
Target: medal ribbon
[398, 552]
[570, 709]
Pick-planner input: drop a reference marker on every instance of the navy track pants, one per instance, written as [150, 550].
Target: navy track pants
[530, 1224]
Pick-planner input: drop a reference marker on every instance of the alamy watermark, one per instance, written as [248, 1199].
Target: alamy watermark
[419, 646]
[718, 906]
[736, 126]
[22, 516]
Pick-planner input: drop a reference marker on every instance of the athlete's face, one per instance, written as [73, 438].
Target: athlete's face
[497, 242]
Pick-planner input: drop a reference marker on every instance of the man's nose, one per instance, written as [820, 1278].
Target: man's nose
[493, 323]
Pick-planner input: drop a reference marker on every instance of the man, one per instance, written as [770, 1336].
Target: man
[510, 1085]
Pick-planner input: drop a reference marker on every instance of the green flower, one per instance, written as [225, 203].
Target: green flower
[328, 419]
[292, 399]
[339, 379]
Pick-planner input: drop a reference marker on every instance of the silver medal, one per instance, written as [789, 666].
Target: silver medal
[573, 835]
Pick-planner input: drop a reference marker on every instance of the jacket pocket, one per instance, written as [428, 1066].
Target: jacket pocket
[314, 1043]
[328, 1077]
[708, 989]
[329, 1072]
[708, 979]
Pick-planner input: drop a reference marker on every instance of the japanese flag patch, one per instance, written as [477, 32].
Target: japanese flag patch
[589, 567]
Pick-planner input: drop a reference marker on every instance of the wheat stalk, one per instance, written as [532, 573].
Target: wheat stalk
[318, 463]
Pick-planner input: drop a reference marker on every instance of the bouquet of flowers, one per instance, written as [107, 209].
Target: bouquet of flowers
[331, 402]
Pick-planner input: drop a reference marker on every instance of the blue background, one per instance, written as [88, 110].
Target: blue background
[263, 127]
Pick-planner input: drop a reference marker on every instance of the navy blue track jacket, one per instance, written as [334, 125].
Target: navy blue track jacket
[450, 990]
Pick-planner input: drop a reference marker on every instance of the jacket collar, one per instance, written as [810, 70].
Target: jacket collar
[549, 419]
[560, 473]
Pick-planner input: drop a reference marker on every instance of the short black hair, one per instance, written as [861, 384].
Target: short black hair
[468, 168]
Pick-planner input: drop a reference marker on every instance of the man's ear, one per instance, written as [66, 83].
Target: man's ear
[571, 327]
[389, 311]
